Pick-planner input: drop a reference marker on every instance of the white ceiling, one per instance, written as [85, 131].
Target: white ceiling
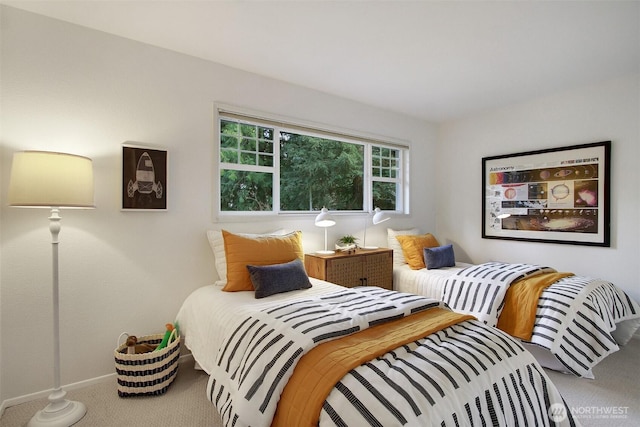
[436, 60]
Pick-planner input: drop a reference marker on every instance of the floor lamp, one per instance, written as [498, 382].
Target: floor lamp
[325, 220]
[43, 179]
[378, 217]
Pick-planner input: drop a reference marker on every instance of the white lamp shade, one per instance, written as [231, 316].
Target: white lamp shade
[379, 216]
[48, 179]
[324, 219]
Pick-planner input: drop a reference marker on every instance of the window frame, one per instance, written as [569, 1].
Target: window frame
[223, 111]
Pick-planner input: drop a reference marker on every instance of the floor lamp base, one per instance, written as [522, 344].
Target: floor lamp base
[59, 412]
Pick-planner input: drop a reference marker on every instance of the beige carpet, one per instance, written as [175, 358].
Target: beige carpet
[612, 399]
[183, 405]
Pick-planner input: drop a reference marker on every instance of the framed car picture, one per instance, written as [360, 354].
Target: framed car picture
[558, 195]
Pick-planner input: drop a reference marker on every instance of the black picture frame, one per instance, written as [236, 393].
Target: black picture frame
[144, 178]
[557, 195]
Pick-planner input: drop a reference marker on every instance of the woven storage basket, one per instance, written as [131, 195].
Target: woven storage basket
[147, 373]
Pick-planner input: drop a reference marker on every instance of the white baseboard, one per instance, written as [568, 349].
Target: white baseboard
[74, 386]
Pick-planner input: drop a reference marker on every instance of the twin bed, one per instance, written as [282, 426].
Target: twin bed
[580, 323]
[285, 349]
[569, 324]
[462, 374]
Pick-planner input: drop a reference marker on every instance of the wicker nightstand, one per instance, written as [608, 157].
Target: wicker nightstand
[363, 268]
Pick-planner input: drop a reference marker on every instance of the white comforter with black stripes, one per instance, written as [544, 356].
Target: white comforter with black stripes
[466, 374]
[575, 317]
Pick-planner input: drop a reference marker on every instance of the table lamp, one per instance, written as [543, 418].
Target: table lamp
[325, 220]
[378, 217]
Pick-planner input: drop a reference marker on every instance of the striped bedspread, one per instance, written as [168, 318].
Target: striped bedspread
[467, 373]
[480, 290]
[575, 315]
[575, 320]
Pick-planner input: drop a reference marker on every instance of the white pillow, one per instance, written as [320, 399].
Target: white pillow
[393, 243]
[217, 246]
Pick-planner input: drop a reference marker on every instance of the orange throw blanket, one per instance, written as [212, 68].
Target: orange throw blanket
[521, 303]
[319, 371]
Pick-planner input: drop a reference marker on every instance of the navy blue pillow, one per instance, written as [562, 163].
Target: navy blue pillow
[438, 257]
[278, 278]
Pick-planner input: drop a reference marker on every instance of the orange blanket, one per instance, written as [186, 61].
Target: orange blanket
[319, 371]
[521, 303]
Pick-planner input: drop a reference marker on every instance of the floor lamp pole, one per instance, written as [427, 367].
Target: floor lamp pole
[54, 227]
[59, 411]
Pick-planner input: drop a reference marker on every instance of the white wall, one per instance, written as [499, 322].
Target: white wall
[66, 88]
[608, 111]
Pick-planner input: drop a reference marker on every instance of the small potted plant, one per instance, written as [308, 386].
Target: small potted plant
[347, 243]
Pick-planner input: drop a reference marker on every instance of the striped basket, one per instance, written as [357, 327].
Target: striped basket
[147, 374]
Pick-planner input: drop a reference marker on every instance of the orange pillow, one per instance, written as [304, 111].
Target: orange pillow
[263, 250]
[413, 246]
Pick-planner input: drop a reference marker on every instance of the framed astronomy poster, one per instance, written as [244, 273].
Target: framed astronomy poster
[558, 195]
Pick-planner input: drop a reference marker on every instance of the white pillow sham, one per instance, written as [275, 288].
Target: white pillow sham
[217, 246]
[393, 243]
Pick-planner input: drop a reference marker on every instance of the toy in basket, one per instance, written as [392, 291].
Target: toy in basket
[147, 365]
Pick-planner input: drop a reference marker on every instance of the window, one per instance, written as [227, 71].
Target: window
[273, 168]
